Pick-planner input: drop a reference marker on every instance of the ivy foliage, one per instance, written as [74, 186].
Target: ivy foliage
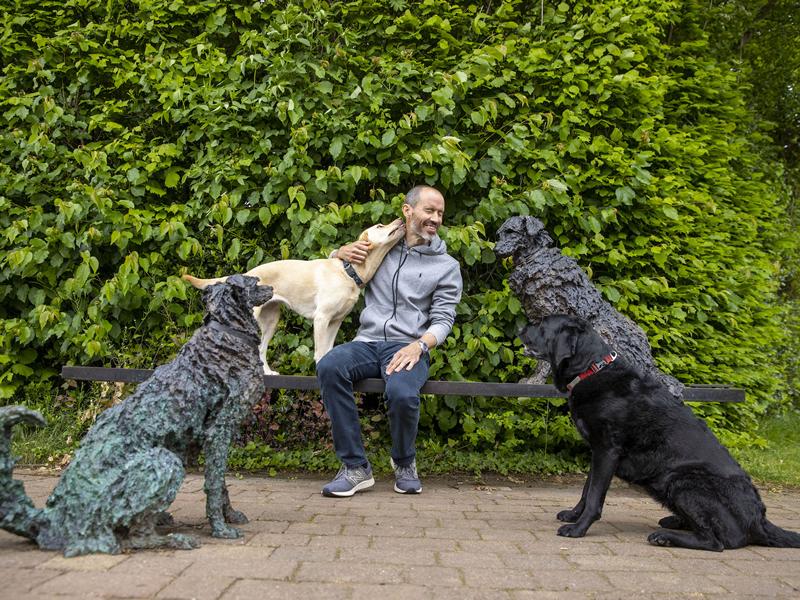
[140, 140]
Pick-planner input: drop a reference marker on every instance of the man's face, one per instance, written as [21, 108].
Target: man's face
[425, 218]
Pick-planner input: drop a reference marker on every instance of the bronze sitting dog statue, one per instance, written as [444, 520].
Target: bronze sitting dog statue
[548, 282]
[130, 465]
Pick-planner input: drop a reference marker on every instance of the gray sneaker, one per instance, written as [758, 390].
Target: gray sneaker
[406, 480]
[348, 481]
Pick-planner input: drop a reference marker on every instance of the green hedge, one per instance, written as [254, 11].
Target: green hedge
[139, 140]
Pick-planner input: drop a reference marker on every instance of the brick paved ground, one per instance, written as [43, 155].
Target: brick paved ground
[457, 540]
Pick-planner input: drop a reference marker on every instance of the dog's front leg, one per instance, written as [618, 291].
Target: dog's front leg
[216, 454]
[604, 465]
[572, 515]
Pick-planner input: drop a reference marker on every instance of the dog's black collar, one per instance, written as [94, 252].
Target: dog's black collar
[594, 368]
[348, 268]
[250, 337]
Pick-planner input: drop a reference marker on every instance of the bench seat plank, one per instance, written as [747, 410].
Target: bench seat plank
[692, 393]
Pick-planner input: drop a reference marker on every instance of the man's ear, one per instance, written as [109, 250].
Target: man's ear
[407, 210]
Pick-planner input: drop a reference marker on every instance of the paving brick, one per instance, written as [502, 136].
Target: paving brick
[426, 543]
[167, 563]
[339, 541]
[196, 586]
[433, 576]
[248, 589]
[339, 573]
[664, 582]
[300, 553]
[383, 529]
[537, 562]
[762, 567]
[546, 595]
[575, 580]
[493, 546]
[20, 553]
[503, 579]
[315, 528]
[17, 583]
[470, 559]
[279, 539]
[452, 534]
[760, 585]
[89, 562]
[88, 584]
[406, 591]
[391, 556]
[619, 563]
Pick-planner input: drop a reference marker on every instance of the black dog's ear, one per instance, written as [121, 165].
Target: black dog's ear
[565, 346]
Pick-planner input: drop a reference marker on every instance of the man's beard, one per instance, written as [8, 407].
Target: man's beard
[419, 229]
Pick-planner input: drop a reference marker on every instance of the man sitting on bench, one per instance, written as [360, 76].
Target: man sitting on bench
[410, 307]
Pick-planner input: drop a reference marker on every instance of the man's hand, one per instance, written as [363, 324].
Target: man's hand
[405, 358]
[355, 252]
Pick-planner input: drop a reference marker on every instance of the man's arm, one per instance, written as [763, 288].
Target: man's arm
[355, 252]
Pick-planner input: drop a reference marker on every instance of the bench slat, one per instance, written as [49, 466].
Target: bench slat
[692, 393]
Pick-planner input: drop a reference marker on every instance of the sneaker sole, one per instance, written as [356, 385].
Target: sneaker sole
[399, 491]
[364, 485]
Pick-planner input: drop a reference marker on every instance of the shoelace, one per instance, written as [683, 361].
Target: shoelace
[347, 473]
[408, 472]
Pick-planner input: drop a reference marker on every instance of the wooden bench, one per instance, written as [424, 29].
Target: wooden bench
[692, 393]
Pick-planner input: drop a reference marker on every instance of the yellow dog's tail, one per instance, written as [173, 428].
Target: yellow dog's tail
[202, 284]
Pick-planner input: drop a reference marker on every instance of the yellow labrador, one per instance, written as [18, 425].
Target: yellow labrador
[323, 290]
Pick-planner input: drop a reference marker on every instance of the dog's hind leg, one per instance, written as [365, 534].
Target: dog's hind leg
[267, 316]
[146, 486]
[673, 522]
[705, 516]
[685, 539]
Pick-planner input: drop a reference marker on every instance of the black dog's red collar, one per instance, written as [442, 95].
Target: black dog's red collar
[594, 368]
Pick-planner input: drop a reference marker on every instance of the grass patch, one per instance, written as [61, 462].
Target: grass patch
[779, 462]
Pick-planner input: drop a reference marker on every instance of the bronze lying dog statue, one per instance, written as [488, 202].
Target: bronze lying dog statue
[637, 432]
[130, 465]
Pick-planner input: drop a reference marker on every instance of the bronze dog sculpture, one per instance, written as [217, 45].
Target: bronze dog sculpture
[547, 282]
[637, 432]
[130, 465]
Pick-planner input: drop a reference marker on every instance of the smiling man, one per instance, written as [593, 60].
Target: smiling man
[410, 307]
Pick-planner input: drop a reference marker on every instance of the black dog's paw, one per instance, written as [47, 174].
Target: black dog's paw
[672, 522]
[658, 538]
[573, 531]
[568, 516]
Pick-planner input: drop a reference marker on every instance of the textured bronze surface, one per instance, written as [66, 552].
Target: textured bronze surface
[130, 465]
[548, 283]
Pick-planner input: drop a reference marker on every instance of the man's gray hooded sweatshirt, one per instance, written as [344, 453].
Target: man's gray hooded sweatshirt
[414, 291]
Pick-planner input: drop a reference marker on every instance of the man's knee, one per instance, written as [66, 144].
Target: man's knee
[332, 366]
[326, 367]
[401, 398]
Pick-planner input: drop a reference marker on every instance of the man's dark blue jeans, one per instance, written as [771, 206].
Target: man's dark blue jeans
[353, 361]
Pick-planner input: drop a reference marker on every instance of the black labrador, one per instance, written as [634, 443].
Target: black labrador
[638, 432]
